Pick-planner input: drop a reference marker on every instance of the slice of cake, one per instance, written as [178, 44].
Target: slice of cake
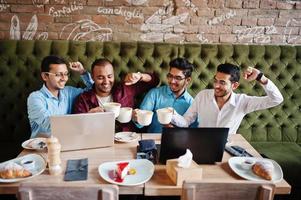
[122, 169]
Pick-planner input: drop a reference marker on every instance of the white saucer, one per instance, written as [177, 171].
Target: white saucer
[37, 169]
[126, 137]
[235, 165]
[33, 144]
[144, 171]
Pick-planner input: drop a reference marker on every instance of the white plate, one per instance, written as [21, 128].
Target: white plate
[126, 136]
[39, 167]
[34, 142]
[144, 171]
[235, 164]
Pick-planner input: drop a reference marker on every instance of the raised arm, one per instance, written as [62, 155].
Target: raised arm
[84, 74]
[273, 98]
[139, 80]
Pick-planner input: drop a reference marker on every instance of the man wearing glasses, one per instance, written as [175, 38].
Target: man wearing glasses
[221, 107]
[54, 98]
[173, 95]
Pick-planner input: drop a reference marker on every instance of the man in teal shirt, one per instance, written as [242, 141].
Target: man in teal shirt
[173, 95]
[54, 98]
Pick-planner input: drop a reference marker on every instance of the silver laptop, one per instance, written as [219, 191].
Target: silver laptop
[84, 131]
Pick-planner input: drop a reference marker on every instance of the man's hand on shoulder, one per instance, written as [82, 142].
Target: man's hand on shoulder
[133, 78]
[252, 74]
[77, 67]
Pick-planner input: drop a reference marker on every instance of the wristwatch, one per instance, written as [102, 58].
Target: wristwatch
[140, 76]
[258, 78]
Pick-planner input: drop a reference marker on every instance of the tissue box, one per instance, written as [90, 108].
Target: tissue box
[178, 174]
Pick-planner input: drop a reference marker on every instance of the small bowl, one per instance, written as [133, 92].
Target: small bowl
[28, 163]
[247, 164]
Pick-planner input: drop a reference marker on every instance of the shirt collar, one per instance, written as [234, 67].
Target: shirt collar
[185, 95]
[45, 90]
[231, 100]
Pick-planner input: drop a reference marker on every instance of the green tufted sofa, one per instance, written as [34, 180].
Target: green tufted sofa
[275, 133]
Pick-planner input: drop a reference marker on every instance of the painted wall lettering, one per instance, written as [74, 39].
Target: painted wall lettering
[260, 34]
[65, 10]
[40, 3]
[201, 38]
[162, 21]
[136, 2]
[189, 4]
[136, 13]
[288, 32]
[220, 19]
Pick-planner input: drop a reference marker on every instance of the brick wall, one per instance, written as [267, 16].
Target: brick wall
[204, 21]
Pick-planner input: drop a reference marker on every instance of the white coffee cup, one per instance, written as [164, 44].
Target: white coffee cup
[164, 115]
[125, 115]
[112, 107]
[144, 117]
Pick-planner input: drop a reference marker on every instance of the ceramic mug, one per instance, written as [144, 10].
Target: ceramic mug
[164, 115]
[112, 107]
[125, 115]
[144, 117]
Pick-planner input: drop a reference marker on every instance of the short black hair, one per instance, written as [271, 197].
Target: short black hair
[49, 60]
[100, 62]
[232, 70]
[182, 64]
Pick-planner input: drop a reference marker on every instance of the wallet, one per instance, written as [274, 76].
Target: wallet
[147, 145]
[147, 149]
[76, 170]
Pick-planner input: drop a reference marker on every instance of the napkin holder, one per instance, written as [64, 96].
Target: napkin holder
[178, 174]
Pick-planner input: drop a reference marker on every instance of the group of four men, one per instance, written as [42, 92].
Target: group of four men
[217, 107]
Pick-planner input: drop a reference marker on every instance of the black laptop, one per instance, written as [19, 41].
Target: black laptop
[206, 144]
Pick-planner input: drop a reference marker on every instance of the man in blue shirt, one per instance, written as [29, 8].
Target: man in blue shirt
[54, 98]
[173, 95]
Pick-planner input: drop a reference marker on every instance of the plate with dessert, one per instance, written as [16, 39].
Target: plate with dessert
[256, 169]
[35, 144]
[128, 172]
[126, 137]
[22, 168]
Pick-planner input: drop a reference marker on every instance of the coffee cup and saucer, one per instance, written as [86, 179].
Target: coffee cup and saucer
[165, 115]
[144, 117]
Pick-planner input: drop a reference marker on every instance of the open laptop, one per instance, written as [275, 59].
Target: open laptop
[83, 131]
[206, 144]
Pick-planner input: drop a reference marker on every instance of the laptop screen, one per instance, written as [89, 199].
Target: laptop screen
[206, 144]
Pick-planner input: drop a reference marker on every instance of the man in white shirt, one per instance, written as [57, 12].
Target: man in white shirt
[221, 107]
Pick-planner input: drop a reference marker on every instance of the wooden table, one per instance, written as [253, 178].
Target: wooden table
[159, 185]
[95, 157]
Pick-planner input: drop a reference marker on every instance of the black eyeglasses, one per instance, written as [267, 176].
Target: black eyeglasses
[177, 78]
[59, 74]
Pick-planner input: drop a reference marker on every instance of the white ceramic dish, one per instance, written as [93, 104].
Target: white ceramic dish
[126, 137]
[39, 167]
[144, 171]
[28, 163]
[235, 165]
[33, 144]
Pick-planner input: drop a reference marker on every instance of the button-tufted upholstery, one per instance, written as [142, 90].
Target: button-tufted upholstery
[275, 132]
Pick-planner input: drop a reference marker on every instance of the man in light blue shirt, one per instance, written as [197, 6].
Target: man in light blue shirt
[173, 95]
[54, 98]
